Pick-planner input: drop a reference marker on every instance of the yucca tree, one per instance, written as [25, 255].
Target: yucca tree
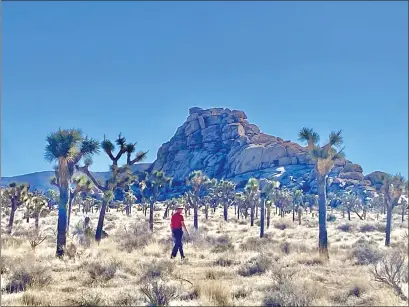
[121, 176]
[394, 186]
[82, 185]
[38, 205]
[241, 203]
[52, 198]
[152, 186]
[199, 183]
[324, 158]
[226, 190]
[18, 196]
[252, 192]
[170, 204]
[66, 147]
[270, 189]
[297, 198]
[129, 200]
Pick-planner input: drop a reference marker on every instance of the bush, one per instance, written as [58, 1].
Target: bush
[365, 253]
[87, 299]
[157, 269]
[102, 272]
[214, 291]
[331, 218]
[367, 228]
[288, 294]
[345, 227]
[224, 262]
[27, 276]
[158, 292]
[136, 237]
[282, 225]
[285, 247]
[222, 244]
[258, 265]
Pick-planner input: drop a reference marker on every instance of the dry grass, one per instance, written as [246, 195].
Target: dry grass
[228, 264]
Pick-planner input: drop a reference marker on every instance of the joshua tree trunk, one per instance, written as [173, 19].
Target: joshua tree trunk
[36, 220]
[165, 215]
[225, 211]
[151, 208]
[276, 209]
[102, 211]
[262, 218]
[343, 212]
[69, 209]
[403, 212]
[196, 216]
[252, 215]
[322, 216]
[293, 214]
[238, 213]
[62, 220]
[11, 219]
[268, 215]
[299, 216]
[256, 210]
[349, 214]
[214, 209]
[206, 212]
[388, 225]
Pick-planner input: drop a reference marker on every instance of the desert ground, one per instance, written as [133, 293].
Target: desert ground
[227, 263]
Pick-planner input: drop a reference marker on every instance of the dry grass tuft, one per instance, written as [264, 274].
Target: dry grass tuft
[26, 275]
[255, 266]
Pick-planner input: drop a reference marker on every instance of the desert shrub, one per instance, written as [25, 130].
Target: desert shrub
[242, 222]
[367, 228]
[255, 266]
[10, 241]
[211, 274]
[311, 261]
[392, 270]
[282, 225]
[221, 244]
[285, 247]
[289, 294]
[102, 271]
[331, 218]
[345, 227]
[224, 262]
[215, 292]
[158, 292]
[381, 227]
[126, 299]
[34, 299]
[3, 265]
[24, 276]
[255, 243]
[364, 253]
[87, 299]
[156, 269]
[136, 237]
[241, 293]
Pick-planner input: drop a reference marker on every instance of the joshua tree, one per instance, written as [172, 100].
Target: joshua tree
[226, 191]
[283, 200]
[171, 203]
[52, 198]
[253, 195]
[18, 196]
[67, 147]
[270, 189]
[151, 188]
[37, 206]
[393, 187]
[199, 184]
[129, 200]
[121, 176]
[324, 158]
[297, 198]
[404, 204]
[241, 204]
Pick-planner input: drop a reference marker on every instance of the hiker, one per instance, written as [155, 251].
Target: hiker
[177, 225]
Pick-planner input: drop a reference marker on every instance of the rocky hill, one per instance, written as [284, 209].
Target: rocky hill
[224, 144]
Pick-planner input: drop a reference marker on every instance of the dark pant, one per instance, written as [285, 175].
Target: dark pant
[177, 237]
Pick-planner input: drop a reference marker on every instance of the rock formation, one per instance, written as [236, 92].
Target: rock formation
[223, 144]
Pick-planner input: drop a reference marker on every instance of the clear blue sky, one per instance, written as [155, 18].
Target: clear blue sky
[137, 67]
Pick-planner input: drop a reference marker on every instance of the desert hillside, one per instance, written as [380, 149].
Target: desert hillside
[227, 263]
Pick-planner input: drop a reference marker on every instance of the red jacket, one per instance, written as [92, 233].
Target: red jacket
[176, 221]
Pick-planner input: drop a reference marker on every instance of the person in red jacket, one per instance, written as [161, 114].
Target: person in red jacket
[177, 225]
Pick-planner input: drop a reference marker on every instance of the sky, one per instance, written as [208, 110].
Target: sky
[137, 68]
